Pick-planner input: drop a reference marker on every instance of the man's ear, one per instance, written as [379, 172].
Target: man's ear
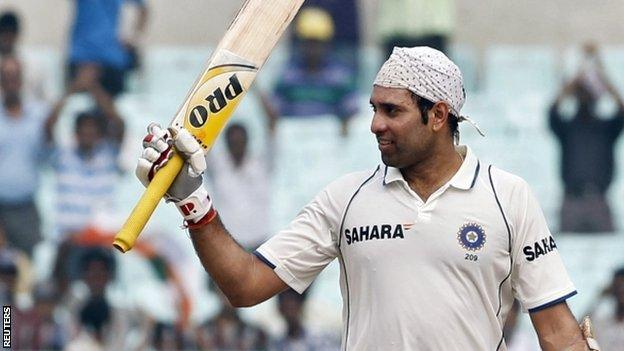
[439, 115]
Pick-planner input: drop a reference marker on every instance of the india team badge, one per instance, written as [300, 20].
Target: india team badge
[471, 236]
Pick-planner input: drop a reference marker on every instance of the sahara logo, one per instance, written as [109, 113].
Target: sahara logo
[376, 232]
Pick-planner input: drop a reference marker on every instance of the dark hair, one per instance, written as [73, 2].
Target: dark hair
[618, 272]
[425, 105]
[98, 254]
[90, 116]
[235, 127]
[9, 22]
[95, 314]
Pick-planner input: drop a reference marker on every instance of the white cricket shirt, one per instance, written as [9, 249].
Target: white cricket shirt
[439, 275]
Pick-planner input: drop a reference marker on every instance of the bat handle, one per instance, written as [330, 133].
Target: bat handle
[127, 236]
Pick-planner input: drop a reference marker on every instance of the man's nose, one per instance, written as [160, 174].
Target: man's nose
[378, 124]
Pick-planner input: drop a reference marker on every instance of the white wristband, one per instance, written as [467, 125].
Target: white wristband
[195, 206]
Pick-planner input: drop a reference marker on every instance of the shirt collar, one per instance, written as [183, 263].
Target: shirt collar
[464, 179]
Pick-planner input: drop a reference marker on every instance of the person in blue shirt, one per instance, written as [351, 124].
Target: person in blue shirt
[22, 152]
[95, 40]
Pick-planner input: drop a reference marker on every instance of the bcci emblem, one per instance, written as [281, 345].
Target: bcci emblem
[471, 237]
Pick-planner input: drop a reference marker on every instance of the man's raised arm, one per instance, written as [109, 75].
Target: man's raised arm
[241, 276]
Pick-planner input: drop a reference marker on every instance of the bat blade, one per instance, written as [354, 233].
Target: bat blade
[230, 71]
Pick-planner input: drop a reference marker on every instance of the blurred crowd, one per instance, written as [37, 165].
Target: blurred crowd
[71, 307]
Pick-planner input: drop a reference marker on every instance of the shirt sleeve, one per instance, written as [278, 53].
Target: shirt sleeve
[539, 278]
[299, 253]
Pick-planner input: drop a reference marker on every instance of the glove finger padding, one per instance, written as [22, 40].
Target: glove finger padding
[157, 137]
[156, 153]
[186, 144]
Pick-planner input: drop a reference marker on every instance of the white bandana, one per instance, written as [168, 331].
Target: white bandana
[427, 73]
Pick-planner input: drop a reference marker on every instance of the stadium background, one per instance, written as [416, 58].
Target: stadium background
[514, 55]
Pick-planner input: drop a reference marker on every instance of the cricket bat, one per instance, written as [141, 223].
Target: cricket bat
[231, 69]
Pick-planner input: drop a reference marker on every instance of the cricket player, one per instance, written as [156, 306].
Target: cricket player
[434, 244]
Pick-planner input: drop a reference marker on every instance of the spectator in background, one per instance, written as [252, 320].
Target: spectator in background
[408, 23]
[22, 151]
[516, 338]
[9, 293]
[290, 305]
[29, 326]
[241, 182]
[34, 77]
[165, 337]
[9, 278]
[121, 328]
[16, 264]
[610, 328]
[587, 151]
[315, 82]
[40, 328]
[95, 320]
[227, 331]
[86, 173]
[346, 17]
[97, 268]
[95, 40]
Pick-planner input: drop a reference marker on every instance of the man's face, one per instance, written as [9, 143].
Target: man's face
[7, 42]
[237, 143]
[314, 51]
[402, 137]
[88, 135]
[10, 77]
[97, 276]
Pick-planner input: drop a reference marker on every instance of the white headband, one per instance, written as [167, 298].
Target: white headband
[427, 73]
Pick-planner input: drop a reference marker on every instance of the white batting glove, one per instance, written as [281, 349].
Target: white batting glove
[186, 191]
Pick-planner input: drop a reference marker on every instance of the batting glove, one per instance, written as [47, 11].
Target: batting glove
[186, 191]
